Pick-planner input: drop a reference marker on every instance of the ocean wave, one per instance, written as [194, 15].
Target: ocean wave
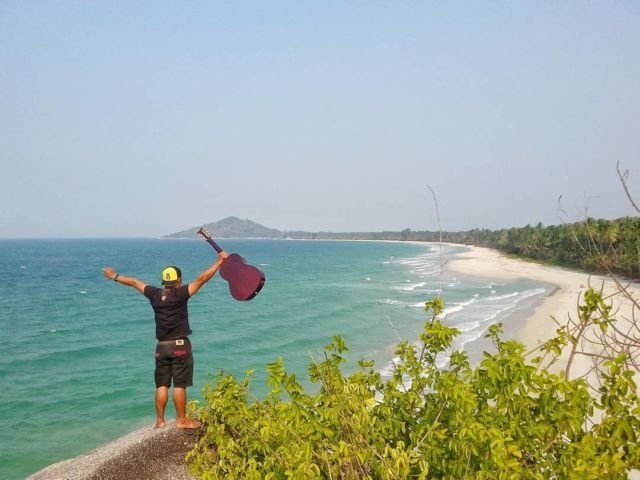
[468, 337]
[468, 326]
[459, 306]
[504, 297]
[400, 303]
[535, 291]
[410, 287]
[428, 273]
[387, 371]
[423, 264]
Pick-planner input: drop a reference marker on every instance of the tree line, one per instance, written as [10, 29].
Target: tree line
[593, 245]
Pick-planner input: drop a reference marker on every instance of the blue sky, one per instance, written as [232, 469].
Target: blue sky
[145, 118]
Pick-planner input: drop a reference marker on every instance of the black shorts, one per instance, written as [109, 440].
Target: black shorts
[174, 360]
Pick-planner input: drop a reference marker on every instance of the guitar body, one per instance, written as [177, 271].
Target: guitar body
[245, 281]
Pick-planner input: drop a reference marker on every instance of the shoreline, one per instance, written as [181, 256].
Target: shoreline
[560, 305]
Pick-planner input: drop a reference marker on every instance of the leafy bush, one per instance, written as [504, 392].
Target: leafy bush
[506, 418]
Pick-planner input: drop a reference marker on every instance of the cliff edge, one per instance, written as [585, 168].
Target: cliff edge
[145, 454]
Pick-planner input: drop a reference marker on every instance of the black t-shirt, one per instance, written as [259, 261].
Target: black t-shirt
[170, 307]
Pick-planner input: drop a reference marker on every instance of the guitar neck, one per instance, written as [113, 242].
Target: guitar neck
[205, 235]
[213, 244]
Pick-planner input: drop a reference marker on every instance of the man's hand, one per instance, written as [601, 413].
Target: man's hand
[109, 273]
[222, 255]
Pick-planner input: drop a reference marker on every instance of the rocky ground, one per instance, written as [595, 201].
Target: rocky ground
[146, 454]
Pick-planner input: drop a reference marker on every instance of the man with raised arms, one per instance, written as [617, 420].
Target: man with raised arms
[174, 358]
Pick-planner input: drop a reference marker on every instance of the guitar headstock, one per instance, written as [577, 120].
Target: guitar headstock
[202, 233]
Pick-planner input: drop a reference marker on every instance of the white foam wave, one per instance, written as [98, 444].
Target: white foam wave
[468, 337]
[458, 307]
[425, 273]
[468, 326]
[423, 264]
[535, 291]
[503, 297]
[411, 287]
[387, 371]
[398, 303]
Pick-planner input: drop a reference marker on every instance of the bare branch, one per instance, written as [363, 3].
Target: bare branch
[623, 179]
[435, 201]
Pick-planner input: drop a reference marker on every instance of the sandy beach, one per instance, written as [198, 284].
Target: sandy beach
[561, 304]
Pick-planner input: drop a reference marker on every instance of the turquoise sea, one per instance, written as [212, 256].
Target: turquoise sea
[77, 363]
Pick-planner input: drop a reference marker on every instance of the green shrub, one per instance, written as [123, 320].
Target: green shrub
[506, 418]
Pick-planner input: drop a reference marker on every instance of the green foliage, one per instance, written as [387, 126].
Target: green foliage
[595, 245]
[505, 418]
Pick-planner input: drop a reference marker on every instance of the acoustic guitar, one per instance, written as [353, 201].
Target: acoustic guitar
[245, 281]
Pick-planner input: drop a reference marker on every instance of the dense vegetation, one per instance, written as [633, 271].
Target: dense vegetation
[594, 245]
[506, 418]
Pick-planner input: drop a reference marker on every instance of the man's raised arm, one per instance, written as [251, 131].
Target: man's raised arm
[205, 276]
[111, 274]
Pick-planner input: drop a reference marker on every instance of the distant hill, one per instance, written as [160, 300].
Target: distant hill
[231, 227]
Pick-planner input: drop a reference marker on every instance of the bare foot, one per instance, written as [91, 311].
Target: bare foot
[188, 423]
[159, 424]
